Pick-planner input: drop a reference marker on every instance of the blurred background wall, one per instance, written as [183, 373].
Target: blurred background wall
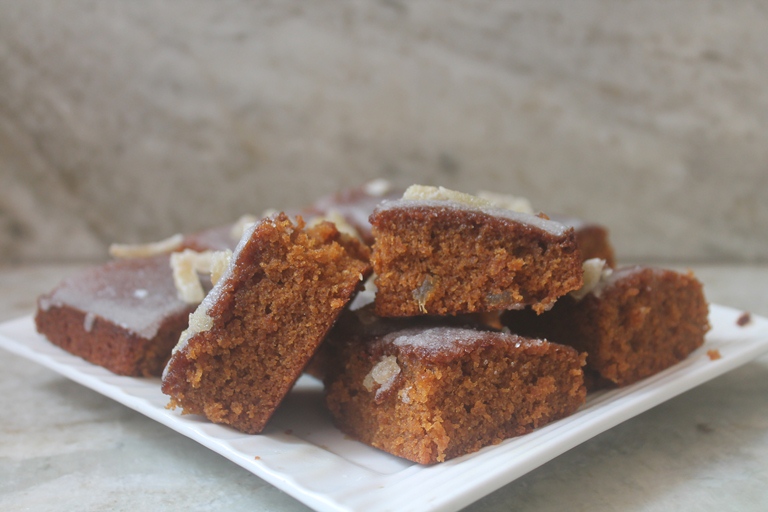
[131, 121]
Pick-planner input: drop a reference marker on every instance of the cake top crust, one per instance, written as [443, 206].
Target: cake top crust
[534, 221]
[615, 276]
[445, 343]
[137, 294]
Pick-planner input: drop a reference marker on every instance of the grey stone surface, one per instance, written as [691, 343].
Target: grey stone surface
[130, 121]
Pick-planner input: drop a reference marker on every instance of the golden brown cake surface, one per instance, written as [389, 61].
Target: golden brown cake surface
[430, 394]
[637, 322]
[253, 334]
[439, 257]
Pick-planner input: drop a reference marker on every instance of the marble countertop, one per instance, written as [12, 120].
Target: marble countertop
[65, 447]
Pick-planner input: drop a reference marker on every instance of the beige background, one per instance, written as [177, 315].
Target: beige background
[130, 121]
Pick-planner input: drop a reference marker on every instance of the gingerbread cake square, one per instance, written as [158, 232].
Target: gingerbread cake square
[254, 333]
[633, 322]
[432, 393]
[128, 314]
[444, 253]
[124, 315]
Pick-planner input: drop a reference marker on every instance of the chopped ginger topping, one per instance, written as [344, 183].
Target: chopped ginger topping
[170, 244]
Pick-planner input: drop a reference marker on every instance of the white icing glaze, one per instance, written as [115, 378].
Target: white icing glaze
[135, 294]
[414, 200]
[435, 339]
[446, 340]
[574, 222]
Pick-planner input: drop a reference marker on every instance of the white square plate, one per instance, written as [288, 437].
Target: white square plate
[301, 452]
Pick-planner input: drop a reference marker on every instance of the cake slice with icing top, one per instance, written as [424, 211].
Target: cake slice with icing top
[430, 393]
[443, 252]
[254, 333]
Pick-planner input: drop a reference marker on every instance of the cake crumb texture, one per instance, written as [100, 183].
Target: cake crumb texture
[641, 322]
[285, 289]
[455, 391]
[445, 261]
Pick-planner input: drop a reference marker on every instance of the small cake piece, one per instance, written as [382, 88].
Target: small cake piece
[634, 322]
[254, 333]
[128, 314]
[592, 239]
[429, 394]
[125, 315]
[442, 252]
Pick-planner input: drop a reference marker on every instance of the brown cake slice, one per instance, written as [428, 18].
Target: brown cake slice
[125, 315]
[634, 322]
[256, 330]
[430, 394]
[458, 254]
[128, 314]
